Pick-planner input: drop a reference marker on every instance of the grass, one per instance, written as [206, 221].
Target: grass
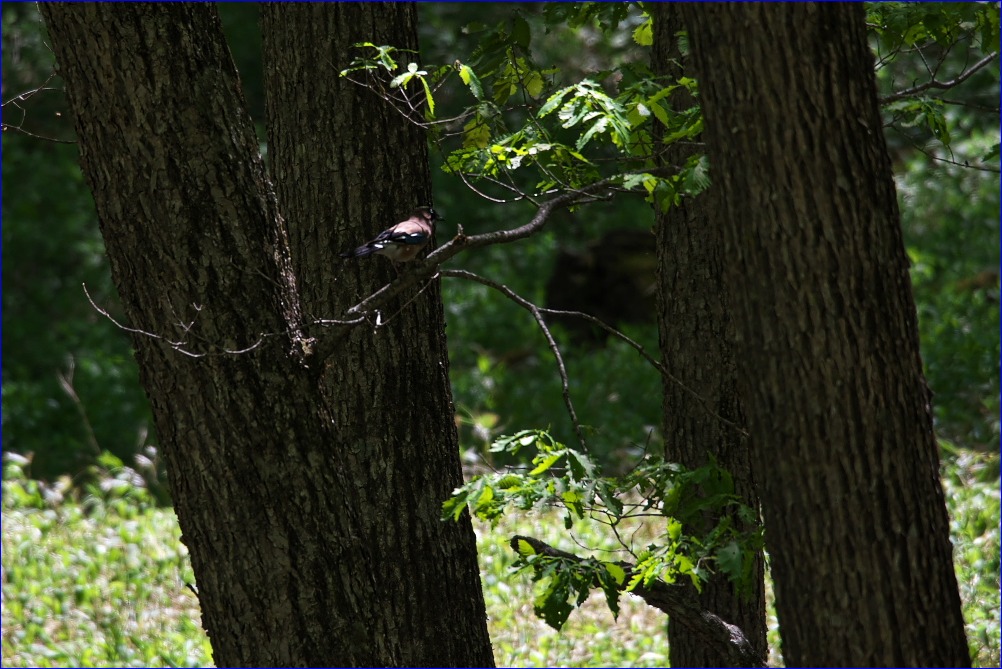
[100, 581]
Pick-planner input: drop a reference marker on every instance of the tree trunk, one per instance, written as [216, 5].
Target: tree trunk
[372, 173]
[826, 339]
[277, 488]
[697, 347]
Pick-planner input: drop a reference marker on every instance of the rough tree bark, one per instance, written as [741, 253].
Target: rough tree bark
[308, 499]
[346, 166]
[826, 339]
[697, 346]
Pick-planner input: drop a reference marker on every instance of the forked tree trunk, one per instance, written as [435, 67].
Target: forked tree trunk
[308, 499]
[347, 165]
[697, 347]
[826, 337]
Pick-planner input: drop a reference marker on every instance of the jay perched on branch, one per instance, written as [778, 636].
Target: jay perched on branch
[403, 241]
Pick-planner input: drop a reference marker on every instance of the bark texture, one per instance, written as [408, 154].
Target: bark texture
[347, 165]
[826, 337]
[278, 480]
[697, 347]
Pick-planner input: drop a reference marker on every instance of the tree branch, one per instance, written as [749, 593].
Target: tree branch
[24, 97]
[425, 268]
[537, 313]
[178, 345]
[941, 85]
[680, 603]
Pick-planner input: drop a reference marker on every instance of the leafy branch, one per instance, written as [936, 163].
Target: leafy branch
[678, 500]
[583, 574]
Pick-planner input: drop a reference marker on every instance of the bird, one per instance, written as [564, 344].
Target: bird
[403, 241]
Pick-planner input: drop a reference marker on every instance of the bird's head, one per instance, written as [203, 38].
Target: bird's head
[428, 214]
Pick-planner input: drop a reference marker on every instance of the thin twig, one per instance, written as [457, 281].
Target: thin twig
[551, 342]
[177, 345]
[66, 382]
[932, 156]
[470, 276]
[24, 97]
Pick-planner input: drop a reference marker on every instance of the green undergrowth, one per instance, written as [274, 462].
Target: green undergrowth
[97, 577]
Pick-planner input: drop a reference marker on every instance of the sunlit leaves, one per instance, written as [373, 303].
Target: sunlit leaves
[470, 78]
[586, 104]
[644, 33]
[383, 59]
[562, 477]
[565, 138]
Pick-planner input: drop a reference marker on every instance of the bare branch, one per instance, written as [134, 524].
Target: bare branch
[66, 383]
[677, 601]
[941, 85]
[425, 268]
[24, 97]
[949, 161]
[19, 129]
[180, 345]
[538, 315]
[470, 276]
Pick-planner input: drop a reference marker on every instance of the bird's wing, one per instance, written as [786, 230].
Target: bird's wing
[408, 232]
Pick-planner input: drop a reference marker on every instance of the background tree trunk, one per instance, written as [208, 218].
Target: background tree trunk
[265, 464]
[697, 347]
[826, 338]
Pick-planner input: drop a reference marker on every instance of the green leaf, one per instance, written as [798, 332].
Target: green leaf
[453, 507]
[508, 481]
[476, 134]
[470, 78]
[598, 127]
[428, 96]
[401, 79]
[617, 572]
[644, 33]
[660, 113]
[730, 562]
[554, 101]
[551, 605]
[486, 495]
[610, 579]
[674, 529]
[534, 84]
[546, 463]
[524, 548]
[992, 153]
[581, 466]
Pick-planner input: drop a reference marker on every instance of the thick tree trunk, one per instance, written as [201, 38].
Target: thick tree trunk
[697, 347]
[347, 165]
[276, 484]
[826, 338]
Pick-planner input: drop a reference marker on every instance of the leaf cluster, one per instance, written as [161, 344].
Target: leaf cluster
[702, 525]
[521, 131]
